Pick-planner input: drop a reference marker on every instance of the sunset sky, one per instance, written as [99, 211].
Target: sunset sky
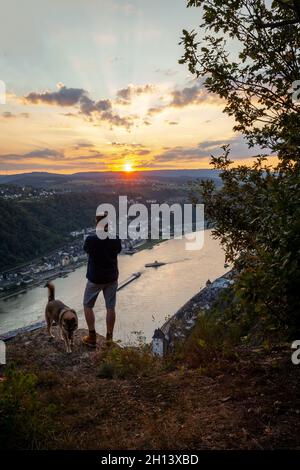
[95, 85]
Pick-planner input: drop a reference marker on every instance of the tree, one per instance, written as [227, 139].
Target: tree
[289, 5]
[258, 85]
[257, 212]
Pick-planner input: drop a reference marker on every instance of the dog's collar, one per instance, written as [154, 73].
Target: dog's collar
[62, 312]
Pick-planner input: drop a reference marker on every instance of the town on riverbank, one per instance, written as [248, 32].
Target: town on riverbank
[58, 263]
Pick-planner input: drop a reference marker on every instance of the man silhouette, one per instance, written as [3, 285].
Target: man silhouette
[102, 275]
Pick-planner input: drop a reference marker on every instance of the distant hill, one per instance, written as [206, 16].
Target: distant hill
[46, 180]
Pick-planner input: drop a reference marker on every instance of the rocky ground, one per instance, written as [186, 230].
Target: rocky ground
[250, 402]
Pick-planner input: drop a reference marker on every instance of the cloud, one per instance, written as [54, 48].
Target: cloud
[79, 158]
[43, 158]
[173, 123]
[124, 144]
[182, 98]
[55, 166]
[188, 96]
[125, 95]
[178, 154]
[46, 154]
[167, 72]
[88, 106]
[239, 150]
[104, 110]
[130, 149]
[83, 144]
[155, 110]
[238, 145]
[9, 115]
[96, 111]
[133, 150]
[75, 115]
[142, 152]
[63, 97]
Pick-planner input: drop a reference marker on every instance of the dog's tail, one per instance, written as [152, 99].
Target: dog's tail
[51, 291]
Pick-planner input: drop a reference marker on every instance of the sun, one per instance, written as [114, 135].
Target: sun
[128, 167]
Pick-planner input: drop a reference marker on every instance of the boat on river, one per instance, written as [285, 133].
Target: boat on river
[129, 251]
[129, 280]
[156, 264]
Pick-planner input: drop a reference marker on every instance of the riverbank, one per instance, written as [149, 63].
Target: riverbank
[51, 275]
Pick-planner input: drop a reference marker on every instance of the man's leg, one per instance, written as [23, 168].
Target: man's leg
[110, 323]
[110, 295]
[89, 317]
[91, 339]
[90, 297]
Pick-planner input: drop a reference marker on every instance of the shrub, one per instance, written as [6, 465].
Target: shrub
[128, 362]
[24, 422]
[211, 339]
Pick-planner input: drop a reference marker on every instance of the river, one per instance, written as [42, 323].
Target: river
[144, 304]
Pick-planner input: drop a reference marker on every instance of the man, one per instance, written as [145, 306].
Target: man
[102, 275]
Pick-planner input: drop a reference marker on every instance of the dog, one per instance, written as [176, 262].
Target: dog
[60, 314]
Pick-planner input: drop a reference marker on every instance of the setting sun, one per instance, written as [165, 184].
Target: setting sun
[128, 167]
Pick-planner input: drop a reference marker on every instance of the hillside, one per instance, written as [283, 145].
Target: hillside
[210, 391]
[31, 229]
[249, 401]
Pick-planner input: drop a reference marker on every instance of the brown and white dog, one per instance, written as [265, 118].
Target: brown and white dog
[65, 317]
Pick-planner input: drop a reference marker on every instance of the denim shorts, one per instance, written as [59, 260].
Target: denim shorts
[93, 290]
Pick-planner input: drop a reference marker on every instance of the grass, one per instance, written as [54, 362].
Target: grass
[129, 362]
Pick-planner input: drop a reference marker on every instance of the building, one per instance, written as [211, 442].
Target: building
[159, 343]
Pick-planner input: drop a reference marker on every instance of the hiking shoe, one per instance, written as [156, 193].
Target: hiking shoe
[89, 340]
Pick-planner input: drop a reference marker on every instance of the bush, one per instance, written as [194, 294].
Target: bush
[128, 362]
[212, 338]
[24, 423]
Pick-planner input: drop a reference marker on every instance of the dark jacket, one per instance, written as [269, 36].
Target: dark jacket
[103, 259]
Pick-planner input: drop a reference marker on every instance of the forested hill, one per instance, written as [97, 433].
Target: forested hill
[29, 229]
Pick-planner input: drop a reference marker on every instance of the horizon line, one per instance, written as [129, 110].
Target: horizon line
[102, 171]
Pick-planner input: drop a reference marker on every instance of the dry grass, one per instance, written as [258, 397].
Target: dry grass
[250, 401]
